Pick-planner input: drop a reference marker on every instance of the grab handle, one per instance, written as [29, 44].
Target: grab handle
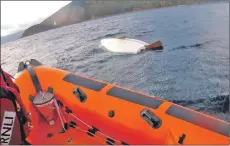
[80, 94]
[154, 121]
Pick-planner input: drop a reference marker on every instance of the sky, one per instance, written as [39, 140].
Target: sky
[19, 15]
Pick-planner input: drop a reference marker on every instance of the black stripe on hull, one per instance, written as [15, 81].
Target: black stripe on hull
[198, 119]
[84, 82]
[134, 97]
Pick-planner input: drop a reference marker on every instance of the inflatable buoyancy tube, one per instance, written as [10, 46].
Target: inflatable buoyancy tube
[87, 111]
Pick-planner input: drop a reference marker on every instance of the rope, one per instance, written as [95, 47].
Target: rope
[78, 119]
[93, 134]
[57, 107]
[92, 127]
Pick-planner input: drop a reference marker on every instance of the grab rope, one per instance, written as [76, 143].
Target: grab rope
[93, 128]
[103, 139]
[80, 120]
[92, 131]
[59, 114]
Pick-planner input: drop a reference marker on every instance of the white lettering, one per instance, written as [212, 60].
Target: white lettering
[7, 127]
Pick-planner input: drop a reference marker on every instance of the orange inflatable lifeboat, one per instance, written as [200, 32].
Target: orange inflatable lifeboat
[66, 108]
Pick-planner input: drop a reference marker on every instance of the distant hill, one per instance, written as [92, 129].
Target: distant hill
[82, 10]
[72, 13]
[11, 37]
[36, 28]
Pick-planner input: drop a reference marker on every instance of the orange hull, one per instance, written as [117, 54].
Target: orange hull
[115, 111]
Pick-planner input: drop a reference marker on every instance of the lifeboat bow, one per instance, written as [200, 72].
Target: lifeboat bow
[66, 108]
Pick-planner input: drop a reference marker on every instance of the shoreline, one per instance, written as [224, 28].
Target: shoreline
[147, 9]
[129, 12]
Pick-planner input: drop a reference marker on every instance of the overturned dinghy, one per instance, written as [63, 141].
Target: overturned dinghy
[128, 45]
[66, 108]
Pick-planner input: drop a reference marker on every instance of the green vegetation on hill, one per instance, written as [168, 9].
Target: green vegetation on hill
[82, 10]
[104, 7]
